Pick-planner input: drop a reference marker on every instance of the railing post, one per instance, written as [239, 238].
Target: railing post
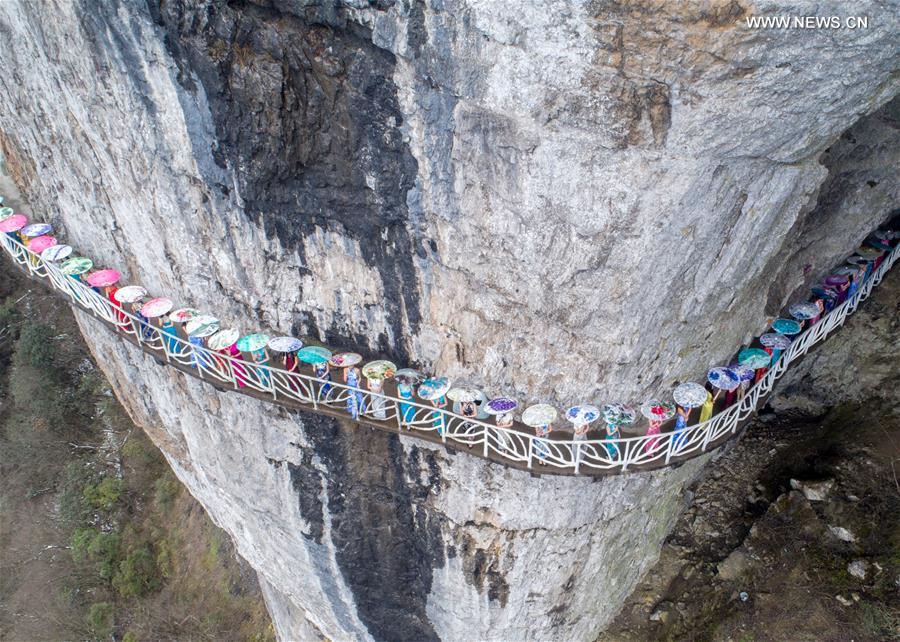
[576, 451]
[485, 430]
[530, 450]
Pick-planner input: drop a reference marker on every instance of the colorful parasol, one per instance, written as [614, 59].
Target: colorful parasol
[754, 358]
[408, 376]
[500, 406]
[253, 342]
[786, 326]
[285, 344]
[878, 244]
[223, 339]
[183, 315]
[5, 211]
[860, 260]
[618, 414]
[36, 229]
[465, 394]
[883, 235]
[380, 369]
[345, 359]
[202, 326]
[849, 270]
[723, 378]
[156, 307]
[869, 252]
[314, 354]
[539, 415]
[656, 410]
[775, 340]
[56, 253]
[130, 294]
[691, 395]
[823, 292]
[103, 278]
[75, 266]
[583, 414]
[836, 279]
[803, 311]
[434, 388]
[41, 243]
[13, 223]
[745, 373]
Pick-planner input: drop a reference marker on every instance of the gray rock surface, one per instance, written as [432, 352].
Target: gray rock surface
[564, 200]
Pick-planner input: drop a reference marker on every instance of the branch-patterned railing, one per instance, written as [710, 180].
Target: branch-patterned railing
[509, 445]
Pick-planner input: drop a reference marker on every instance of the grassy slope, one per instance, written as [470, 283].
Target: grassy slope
[97, 537]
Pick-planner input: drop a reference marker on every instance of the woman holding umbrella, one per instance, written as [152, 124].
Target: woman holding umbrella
[406, 378]
[581, 418]
[352, 377]
[720, 379]
[317, 357]
[375, 373]
[255, 346]
[755, 358]
[540, 417]
[616, 415]
[287, 347]
[433, 390]
[688, 396]
[466, 401]
[224, 342]
[657, 412]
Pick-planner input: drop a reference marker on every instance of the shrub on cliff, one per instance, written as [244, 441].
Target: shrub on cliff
[137, 574]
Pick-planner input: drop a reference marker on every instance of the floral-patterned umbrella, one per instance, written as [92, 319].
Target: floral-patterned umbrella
[223, 339]
[500, 406]
[183, 315]
[745, 373]
[882, 234]
[202, 326]
[41, 243]
[345, 359]
[786, 326]
[13, 223]
[379, 369]
[156, 307]
[56, 253]
[835, 280]
[849, 270]
[775, 341]
[803, 311]
[285, 344]
[656, 410]
[823, 292]
[102, 278]
[75, 266]
[869, 252]
[35, 230]
[861, 260]
[253, 342]
[723, 378]
[408, 376]
[130, 294]
[618, 414]
[754, 358]
[314, 354]
[434, 388]
[539, 415]
[465, 394]
[877, 243]
[583, 414]
[5, 211]
[690, 395]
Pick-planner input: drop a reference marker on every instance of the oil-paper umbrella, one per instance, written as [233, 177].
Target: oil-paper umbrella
[860, 260]
[253, 342]
[183, 315]
[836, 280]
[13, 223]
[285, 344]
[884, 235]
[849, 270]
[618, 414]
[345, 359]
[5, 211]
[464, 394]
[202, 326]
[36, 229]
[223, 339]
[583, 414]
[156, 307]
[500, 406]
[877, 243]
[869, 252]
[656, 410]
[754, 358]
[723, 378]
[56, 253]
[803, 311]
[314, 354]
[379, 369]
[102, 278]
[775, 341]
[41, 243]
[76, 266]
[745, 373]
[539, 415]
[130, 294]
[408, 376]
[786, 326]
[824, 292]
[691, 395]
[434, 388]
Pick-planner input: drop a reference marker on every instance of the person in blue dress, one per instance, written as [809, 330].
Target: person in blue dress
[681, 420]
[170, 336]
[322, 372]
[440, 421]
[262, 358]
[355, 403]
[405, 391]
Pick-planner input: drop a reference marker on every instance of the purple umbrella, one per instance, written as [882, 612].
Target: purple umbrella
[723, 378]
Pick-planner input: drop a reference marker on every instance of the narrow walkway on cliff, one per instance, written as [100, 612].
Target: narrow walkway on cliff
[511, 443]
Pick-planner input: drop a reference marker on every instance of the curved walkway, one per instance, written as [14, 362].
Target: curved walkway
[516, 447]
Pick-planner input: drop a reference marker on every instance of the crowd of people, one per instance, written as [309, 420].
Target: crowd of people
[254, 354]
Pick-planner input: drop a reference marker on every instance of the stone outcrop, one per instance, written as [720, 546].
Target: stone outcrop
[562, 200]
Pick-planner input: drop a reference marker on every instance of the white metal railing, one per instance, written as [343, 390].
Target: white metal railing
[568, 456]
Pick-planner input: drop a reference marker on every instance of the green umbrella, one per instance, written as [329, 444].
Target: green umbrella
[314, 354]
[252, 342]
[76, 266]
[754, 358]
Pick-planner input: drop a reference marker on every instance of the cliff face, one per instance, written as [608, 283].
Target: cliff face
[516, 192]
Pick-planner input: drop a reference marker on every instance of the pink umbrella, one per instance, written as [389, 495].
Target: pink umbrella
[103, 278]
[41, 243]
[156, 307]
[13, 224]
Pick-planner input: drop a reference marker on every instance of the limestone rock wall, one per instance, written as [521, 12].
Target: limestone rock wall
[563, 200]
